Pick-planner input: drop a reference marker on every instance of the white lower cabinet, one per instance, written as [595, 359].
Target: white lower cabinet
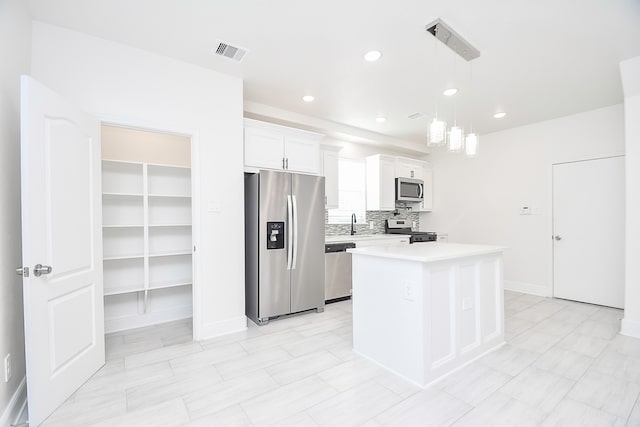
[270, 146]
[147, 244]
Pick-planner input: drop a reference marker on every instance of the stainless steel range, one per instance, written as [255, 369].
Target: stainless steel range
[403, 226]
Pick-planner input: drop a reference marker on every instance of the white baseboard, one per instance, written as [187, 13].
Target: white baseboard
[16, 406]
[221, 327]
[527, 288]
[630, 328]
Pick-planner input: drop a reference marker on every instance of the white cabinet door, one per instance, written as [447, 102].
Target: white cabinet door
[263, 148]
[61, 229]
[331, 178]
[269, 146]
[381, 172]
[409, 168]
[302, 155]
[427, 177]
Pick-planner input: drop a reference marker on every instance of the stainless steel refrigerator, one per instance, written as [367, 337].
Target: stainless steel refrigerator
[284, 244]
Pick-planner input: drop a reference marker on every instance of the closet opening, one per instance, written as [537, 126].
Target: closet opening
[147, 228]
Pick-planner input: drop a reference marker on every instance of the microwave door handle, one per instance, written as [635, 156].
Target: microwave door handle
[290, 232]
[295, 233]
[421, 189]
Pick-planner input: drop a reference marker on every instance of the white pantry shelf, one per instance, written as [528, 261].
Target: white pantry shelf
[147, 237]
[166, 254]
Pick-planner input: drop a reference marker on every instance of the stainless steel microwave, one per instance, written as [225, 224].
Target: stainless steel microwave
[409, 190]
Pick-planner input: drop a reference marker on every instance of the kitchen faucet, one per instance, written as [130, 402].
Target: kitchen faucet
[353, 221]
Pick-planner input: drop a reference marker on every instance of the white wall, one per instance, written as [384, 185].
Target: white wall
[354, 150]
[121, 84]
[630, 70]
[15, 48]
[478, 200]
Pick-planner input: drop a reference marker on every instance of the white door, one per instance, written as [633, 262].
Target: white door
[61, 229]
[588, 228]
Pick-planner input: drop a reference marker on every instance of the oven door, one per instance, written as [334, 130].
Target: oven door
[409, 190]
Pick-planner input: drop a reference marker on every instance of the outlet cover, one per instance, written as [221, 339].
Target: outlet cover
[409, 291]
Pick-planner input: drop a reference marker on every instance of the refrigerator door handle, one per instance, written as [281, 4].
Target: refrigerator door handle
[290, 238]
[295, 232]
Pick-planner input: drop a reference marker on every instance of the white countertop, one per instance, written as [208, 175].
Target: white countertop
[427, 251]
[361, 237]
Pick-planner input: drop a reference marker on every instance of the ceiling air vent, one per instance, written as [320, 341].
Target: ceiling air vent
[416, 116]
[231, 52]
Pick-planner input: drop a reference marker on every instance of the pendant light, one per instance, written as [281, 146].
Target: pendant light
[456, 135]
[472, 141]
[438, 128]
[455, 138]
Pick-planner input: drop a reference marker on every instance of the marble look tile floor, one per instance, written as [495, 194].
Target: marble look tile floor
[564, 364]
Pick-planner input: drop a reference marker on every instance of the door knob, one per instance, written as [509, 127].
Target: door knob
[557, 237]
[22, 271]
[40, 269]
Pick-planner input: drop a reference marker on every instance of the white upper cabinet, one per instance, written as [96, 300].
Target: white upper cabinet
[381, 174]
[409, 168]
[331, 175]
[427, 177]
[263, 148]
[269, 146]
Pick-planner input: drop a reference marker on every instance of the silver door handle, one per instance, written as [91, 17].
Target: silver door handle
[22, 271]
[290, 237]
[557, 237]
[295, 233]
[421, 191]
[287, 164]
[40, 269]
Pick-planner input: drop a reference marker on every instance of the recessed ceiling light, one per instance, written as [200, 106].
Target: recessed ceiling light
[372, 56]
[499, 114]
[381, 119]
[308, 98]
[450, 92]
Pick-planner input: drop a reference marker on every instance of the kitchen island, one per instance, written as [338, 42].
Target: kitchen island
[424, 310]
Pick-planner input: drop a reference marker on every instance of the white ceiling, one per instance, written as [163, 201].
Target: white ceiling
[539, 59]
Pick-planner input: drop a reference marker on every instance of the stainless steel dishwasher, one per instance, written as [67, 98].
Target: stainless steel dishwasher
[337, 271]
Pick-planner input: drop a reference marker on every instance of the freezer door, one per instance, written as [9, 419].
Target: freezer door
[274, 280]
[307, 273]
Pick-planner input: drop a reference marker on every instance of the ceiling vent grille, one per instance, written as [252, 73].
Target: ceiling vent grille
[416, 116]
[453, 40]
[231, 52]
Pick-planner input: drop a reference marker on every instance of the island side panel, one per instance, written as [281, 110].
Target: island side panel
[476, 314]
[423, 320]
[388, 315]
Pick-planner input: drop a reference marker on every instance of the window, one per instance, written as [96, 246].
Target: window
[351, 192]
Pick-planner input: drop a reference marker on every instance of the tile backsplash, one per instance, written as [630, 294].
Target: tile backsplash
[377, 217]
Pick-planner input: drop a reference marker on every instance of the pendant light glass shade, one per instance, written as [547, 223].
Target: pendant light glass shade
[456, 139]
[437, 133]
[472, 142]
